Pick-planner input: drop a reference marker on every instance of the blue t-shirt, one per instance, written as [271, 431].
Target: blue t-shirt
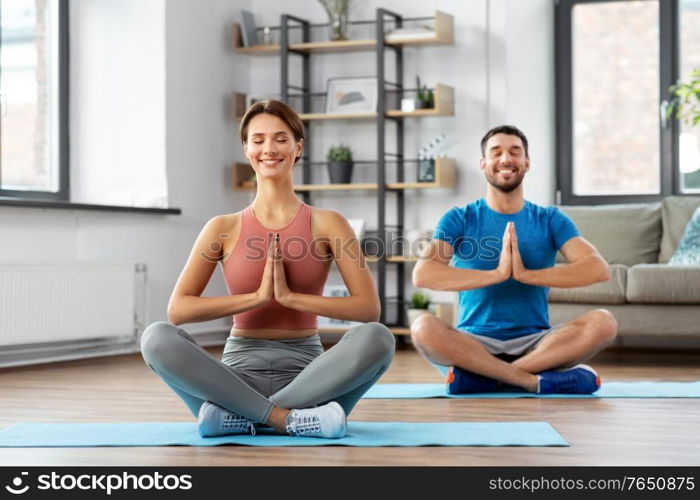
[509, 309]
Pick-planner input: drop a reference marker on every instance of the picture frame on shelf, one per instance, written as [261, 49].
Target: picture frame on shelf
[358, 227]
[351, 95]
[253, 98]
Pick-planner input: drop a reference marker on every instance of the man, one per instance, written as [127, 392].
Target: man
[503, 249]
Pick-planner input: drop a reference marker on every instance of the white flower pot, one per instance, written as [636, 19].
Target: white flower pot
[413, 314]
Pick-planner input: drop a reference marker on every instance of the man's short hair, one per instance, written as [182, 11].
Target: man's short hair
[504, 129]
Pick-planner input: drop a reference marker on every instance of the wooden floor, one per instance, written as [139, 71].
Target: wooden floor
[601, 432]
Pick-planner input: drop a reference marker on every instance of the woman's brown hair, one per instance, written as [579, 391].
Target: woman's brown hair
[275, 108]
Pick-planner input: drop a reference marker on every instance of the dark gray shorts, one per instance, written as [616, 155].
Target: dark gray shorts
[269, 365]
[507, 350]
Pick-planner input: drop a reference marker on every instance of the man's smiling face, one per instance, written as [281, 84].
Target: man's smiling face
[504, 162]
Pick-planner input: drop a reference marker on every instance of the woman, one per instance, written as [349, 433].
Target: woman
[276, 254]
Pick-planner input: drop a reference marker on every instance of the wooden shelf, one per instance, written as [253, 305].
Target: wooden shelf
[400, 330]
[444, 106]
[337, 116]
[396, 330]
[334, 187]
[238, 105]
[401, 258]
[340, 46]
[392, 258]
[444, 98]
[443, 34]
[445, 175]
[240, 177]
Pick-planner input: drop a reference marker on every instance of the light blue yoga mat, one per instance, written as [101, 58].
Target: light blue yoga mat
[359, 434]
[607, 390]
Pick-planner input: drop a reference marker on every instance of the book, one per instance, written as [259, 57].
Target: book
[248, 33]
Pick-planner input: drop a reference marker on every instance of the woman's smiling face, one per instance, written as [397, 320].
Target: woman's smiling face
[270, 146]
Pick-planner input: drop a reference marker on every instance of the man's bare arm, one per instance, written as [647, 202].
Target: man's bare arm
[433, 270]
[585, 266]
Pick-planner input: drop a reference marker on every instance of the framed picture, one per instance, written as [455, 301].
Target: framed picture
[351, 95]
[358, 227]
[253, 98]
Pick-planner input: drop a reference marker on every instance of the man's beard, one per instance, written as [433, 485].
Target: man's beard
[507, 188]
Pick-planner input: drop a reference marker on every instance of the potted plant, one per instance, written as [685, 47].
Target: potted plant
[251, 182]
[418, 304]
[339, 164]
[424, 96]
[337, 11]
[685, 100]
[684, 103]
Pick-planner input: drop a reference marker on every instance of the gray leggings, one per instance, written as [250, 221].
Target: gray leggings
[343, 373]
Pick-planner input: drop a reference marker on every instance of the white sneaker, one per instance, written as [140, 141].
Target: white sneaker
[217, 421]
[327, 421]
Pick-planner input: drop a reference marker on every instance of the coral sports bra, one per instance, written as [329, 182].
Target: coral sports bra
[306, 271]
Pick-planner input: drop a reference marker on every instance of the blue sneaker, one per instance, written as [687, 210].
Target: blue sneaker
[461, 381]
[580, 379]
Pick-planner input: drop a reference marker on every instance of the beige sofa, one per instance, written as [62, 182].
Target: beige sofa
[650, 299]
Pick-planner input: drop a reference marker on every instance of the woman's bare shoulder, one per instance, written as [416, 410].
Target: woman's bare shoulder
[326, 215]
[228, 219]
[223, 226]
[326, 222]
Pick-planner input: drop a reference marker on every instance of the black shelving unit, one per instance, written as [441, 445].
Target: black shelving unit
[288, 90]
[301, 93]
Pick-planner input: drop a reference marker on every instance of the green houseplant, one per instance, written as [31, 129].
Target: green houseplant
[685, 100]
[340, 164]
[424, 96]
[684, 103]
[338, 11]
[419, 303]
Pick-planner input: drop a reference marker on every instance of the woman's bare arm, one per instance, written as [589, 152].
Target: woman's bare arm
[186, 304]
[363, 302]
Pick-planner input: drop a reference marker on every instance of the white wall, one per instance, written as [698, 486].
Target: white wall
[521, 83]
[151, 91]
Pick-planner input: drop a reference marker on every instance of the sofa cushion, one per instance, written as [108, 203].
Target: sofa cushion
[676, 213]
[624, 234]
[688, 251]
[607, 292]
[663, 284]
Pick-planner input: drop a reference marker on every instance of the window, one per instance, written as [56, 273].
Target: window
[689, 138]
[615, 62]
[33, 86]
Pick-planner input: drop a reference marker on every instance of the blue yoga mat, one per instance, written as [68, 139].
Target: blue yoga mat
[607, 390]
[359, 434]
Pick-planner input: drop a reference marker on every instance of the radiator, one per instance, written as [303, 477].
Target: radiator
[69, 307]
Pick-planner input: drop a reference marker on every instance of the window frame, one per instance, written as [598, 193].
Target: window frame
[669, 60]
[63, 193]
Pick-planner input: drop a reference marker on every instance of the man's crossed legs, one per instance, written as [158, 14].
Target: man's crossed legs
[562, 347]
